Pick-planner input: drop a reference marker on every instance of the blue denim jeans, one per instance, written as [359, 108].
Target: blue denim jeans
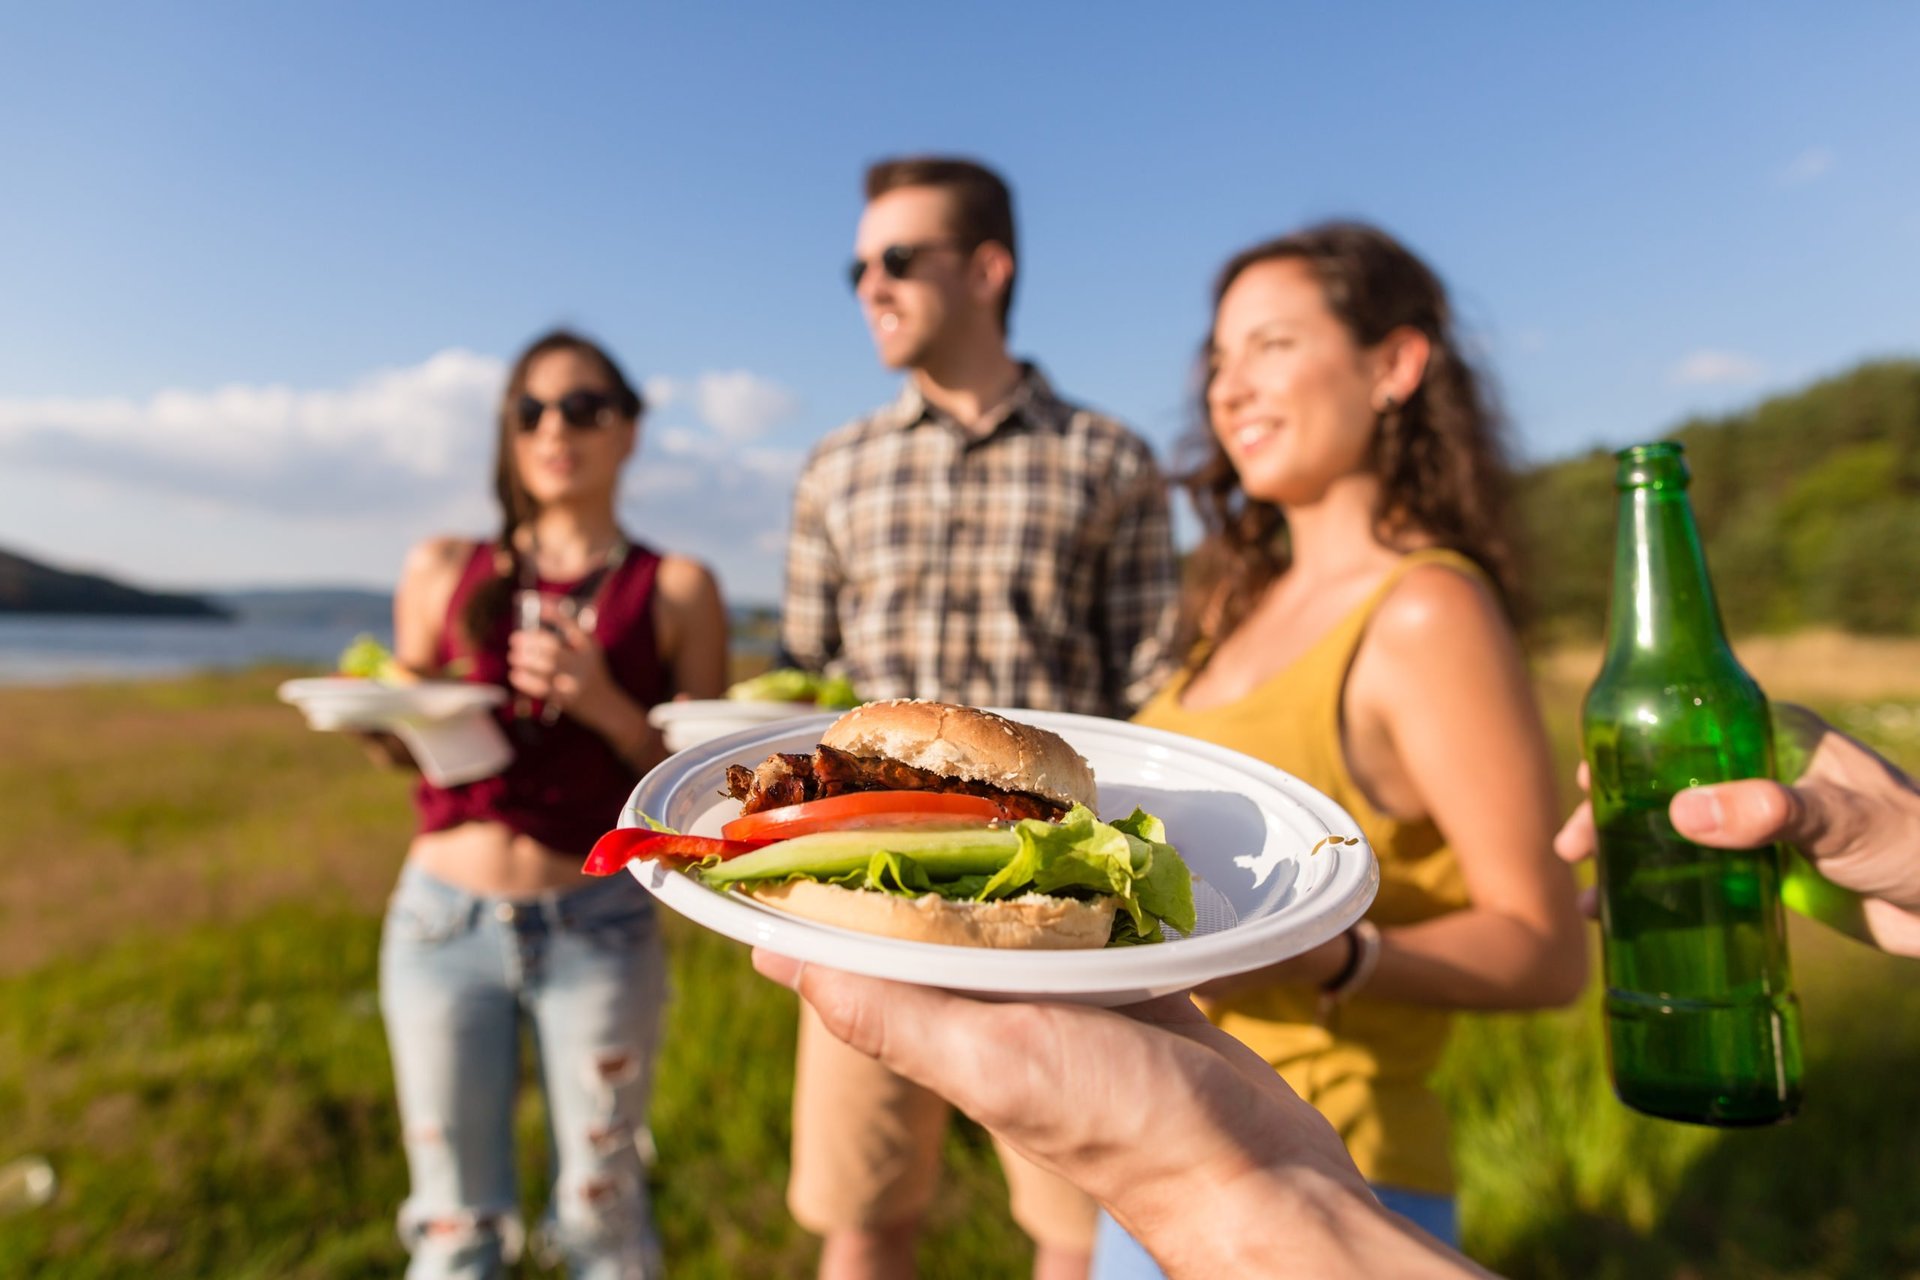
[459, 976]
[1118, 1256]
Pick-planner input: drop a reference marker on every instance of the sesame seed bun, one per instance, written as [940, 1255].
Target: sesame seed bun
[969, 744]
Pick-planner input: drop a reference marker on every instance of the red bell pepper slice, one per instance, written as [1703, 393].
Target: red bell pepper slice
[614, 850]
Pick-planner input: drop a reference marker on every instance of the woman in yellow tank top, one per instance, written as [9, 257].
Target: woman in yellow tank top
[1350, 621]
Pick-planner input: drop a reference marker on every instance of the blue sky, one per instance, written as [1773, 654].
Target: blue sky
[264, 266]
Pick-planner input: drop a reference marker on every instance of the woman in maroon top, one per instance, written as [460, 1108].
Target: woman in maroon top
[492, 924]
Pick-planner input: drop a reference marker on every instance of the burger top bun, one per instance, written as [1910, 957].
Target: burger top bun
[969, 744]
[1033, 922]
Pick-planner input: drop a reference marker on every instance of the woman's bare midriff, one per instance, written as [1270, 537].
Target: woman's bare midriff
[490, 859]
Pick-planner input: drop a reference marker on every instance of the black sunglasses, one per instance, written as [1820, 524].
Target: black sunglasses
[582, 410]
[897, 259]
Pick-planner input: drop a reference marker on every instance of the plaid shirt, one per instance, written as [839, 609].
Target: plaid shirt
[1023, 561]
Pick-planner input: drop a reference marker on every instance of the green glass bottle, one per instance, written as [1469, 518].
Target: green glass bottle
[1702, 1024]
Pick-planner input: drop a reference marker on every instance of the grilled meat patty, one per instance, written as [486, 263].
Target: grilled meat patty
[793, 778]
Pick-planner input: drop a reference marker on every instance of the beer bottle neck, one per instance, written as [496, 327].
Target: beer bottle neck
[1663, 601]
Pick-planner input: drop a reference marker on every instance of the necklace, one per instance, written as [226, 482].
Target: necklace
[536, 610]
[580, 602]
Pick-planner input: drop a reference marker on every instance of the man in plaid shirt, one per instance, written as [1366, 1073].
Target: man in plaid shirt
[980, 540]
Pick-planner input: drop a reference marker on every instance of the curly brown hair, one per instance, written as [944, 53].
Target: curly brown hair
[491, 601]
[1440, 456]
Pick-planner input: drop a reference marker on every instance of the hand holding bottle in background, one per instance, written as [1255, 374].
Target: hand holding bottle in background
[1852, 815]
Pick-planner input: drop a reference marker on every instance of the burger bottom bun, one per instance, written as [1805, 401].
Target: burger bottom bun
[1033, 922]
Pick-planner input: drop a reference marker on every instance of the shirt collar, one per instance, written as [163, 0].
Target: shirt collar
[1032, 401]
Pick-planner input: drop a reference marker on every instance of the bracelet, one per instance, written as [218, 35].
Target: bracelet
[1364, 953]
[1352, 962]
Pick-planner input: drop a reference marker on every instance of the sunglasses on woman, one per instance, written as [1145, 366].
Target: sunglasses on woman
[897, 259]
[581, 410]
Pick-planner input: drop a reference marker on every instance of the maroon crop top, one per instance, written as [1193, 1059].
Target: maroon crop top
[565, 786]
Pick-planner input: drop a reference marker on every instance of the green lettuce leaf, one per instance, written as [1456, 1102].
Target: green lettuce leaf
[786, 684]
[1129, 859]
[790, 684]
[367, 658]
[836, 693]
[1166, 887]
[899, 873]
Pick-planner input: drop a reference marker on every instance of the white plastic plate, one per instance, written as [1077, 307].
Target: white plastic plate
[345, 702]
[691, 721]
[443, 722]
[1279, 867]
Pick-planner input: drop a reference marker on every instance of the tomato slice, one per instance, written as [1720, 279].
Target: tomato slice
[866, 809]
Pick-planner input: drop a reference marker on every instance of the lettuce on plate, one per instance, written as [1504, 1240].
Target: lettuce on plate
[368, 659]
[790, 684]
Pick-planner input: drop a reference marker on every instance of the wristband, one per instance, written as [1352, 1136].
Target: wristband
[1364, 953]
[1347, 967]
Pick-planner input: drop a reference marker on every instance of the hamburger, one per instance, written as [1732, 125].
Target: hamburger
[949, 824]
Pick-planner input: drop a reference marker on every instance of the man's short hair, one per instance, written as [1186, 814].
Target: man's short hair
[982, 205]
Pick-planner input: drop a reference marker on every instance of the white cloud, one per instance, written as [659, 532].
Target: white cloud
[414, 433]
[662, 391]
[1707, 368]
[742, 405]
[368, 468]
[732, 517]
[774, 464]
[689, 442]
[1813, 163]
[664, 477]
[737, 404]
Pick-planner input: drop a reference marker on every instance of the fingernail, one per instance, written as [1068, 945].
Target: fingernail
[1698, 809]
[778, 968]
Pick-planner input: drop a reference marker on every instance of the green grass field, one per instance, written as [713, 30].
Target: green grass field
[190, 886]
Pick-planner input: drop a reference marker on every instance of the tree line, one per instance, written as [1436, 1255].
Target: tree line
[1808, 504]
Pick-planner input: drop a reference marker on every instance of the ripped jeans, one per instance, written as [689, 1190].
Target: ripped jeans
[458, 975]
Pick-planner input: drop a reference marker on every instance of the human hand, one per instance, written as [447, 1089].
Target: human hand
[1194, 1143]
[563, 666]
[1216, 1114]
[1578, 839]
[386, 750]
[1853, 815]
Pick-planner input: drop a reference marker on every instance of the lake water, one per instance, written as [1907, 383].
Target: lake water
[48, 650]
[44, 650]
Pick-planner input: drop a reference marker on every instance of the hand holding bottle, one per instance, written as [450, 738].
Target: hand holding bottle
[1702, 1023]
[1853, 815]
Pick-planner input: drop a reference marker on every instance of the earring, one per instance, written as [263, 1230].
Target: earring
[1388, 405]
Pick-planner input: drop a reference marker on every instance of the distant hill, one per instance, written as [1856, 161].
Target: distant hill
[1809, 505]
[28, 586]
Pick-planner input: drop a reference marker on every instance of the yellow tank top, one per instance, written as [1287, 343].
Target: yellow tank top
[1367, 1069]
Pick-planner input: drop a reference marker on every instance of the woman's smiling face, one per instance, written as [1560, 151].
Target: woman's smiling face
[1290, 394]
[557, 460]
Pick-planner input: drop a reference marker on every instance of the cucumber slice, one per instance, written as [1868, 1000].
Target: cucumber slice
[972, 851]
